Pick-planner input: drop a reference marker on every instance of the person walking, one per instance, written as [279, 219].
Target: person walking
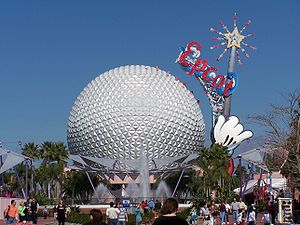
[122, 215]
[157, 205]
[138, 215]
[251, 216]
[235, 210]
[206, 214]
[21, 212]
[227, 212]
[111, 215]
[240, 219]
[214, 212]
[11, 212]
[222, 210]
[45, 212]
[60, 213]
[26, 211]
[242, 207]
[143, 207]
[33, 210]
[194, 216]
[266, 218]
[151, 205]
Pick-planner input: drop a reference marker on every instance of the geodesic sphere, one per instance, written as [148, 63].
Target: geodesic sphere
[135, 108]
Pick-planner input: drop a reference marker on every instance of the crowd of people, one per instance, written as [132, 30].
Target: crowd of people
[147, 213]
[165, 214]
[118, 214]
[26, 211]
[242, 214]
[157, 213]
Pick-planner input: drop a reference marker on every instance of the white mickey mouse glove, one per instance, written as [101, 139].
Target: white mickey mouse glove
[230, 133]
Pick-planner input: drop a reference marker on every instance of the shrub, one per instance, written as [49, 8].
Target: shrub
[184, 213]
[78, 218]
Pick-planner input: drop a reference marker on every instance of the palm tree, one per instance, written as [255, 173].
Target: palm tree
[33, 152]
[213, 162]
[74, 189]
[54, 153]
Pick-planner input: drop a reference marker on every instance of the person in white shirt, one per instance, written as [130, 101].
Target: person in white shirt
[251, 216]
[243, 207]
[205, 213]
[227, 212]
[111, 215]
[240, 219]
[235, 205]
[266, 218]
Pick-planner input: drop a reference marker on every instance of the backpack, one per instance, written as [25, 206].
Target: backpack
[6, 213]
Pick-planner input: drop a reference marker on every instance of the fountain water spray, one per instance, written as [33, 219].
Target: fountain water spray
[103, 194]
[144, 177]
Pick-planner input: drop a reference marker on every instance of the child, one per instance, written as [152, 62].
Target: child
[45, 212]
[266, 218]
[194, 216]
[240, 220]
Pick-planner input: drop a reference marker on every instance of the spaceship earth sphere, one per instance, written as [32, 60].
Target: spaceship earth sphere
[134, 110]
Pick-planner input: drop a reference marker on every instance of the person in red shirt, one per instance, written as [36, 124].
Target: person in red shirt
[143, 205]
[12, 212]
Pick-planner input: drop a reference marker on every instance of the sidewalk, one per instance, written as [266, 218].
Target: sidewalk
[41, 221]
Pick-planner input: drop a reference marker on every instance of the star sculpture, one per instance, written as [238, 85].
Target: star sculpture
[233, 39]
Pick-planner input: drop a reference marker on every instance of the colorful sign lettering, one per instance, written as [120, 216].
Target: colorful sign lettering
[217, 86]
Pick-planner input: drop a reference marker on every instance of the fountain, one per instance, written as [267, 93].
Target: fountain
[138, 193]
[135, 192]
[102, 194]
[144, 177]
[132, 191]
[163, 191]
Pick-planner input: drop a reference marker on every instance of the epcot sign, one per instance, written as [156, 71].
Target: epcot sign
[216, 86]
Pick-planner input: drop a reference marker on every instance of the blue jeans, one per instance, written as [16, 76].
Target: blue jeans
[11, 220]
[113, 221]
[235, 215]
[222, 217]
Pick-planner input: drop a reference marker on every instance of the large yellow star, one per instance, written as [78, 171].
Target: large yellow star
[234, 38]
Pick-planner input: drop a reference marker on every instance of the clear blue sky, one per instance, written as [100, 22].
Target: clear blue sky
[50, 50]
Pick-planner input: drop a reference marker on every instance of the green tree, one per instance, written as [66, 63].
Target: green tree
[74, 189]
[213, 163]
[54, 156]
[33, 152]
[54, 151]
